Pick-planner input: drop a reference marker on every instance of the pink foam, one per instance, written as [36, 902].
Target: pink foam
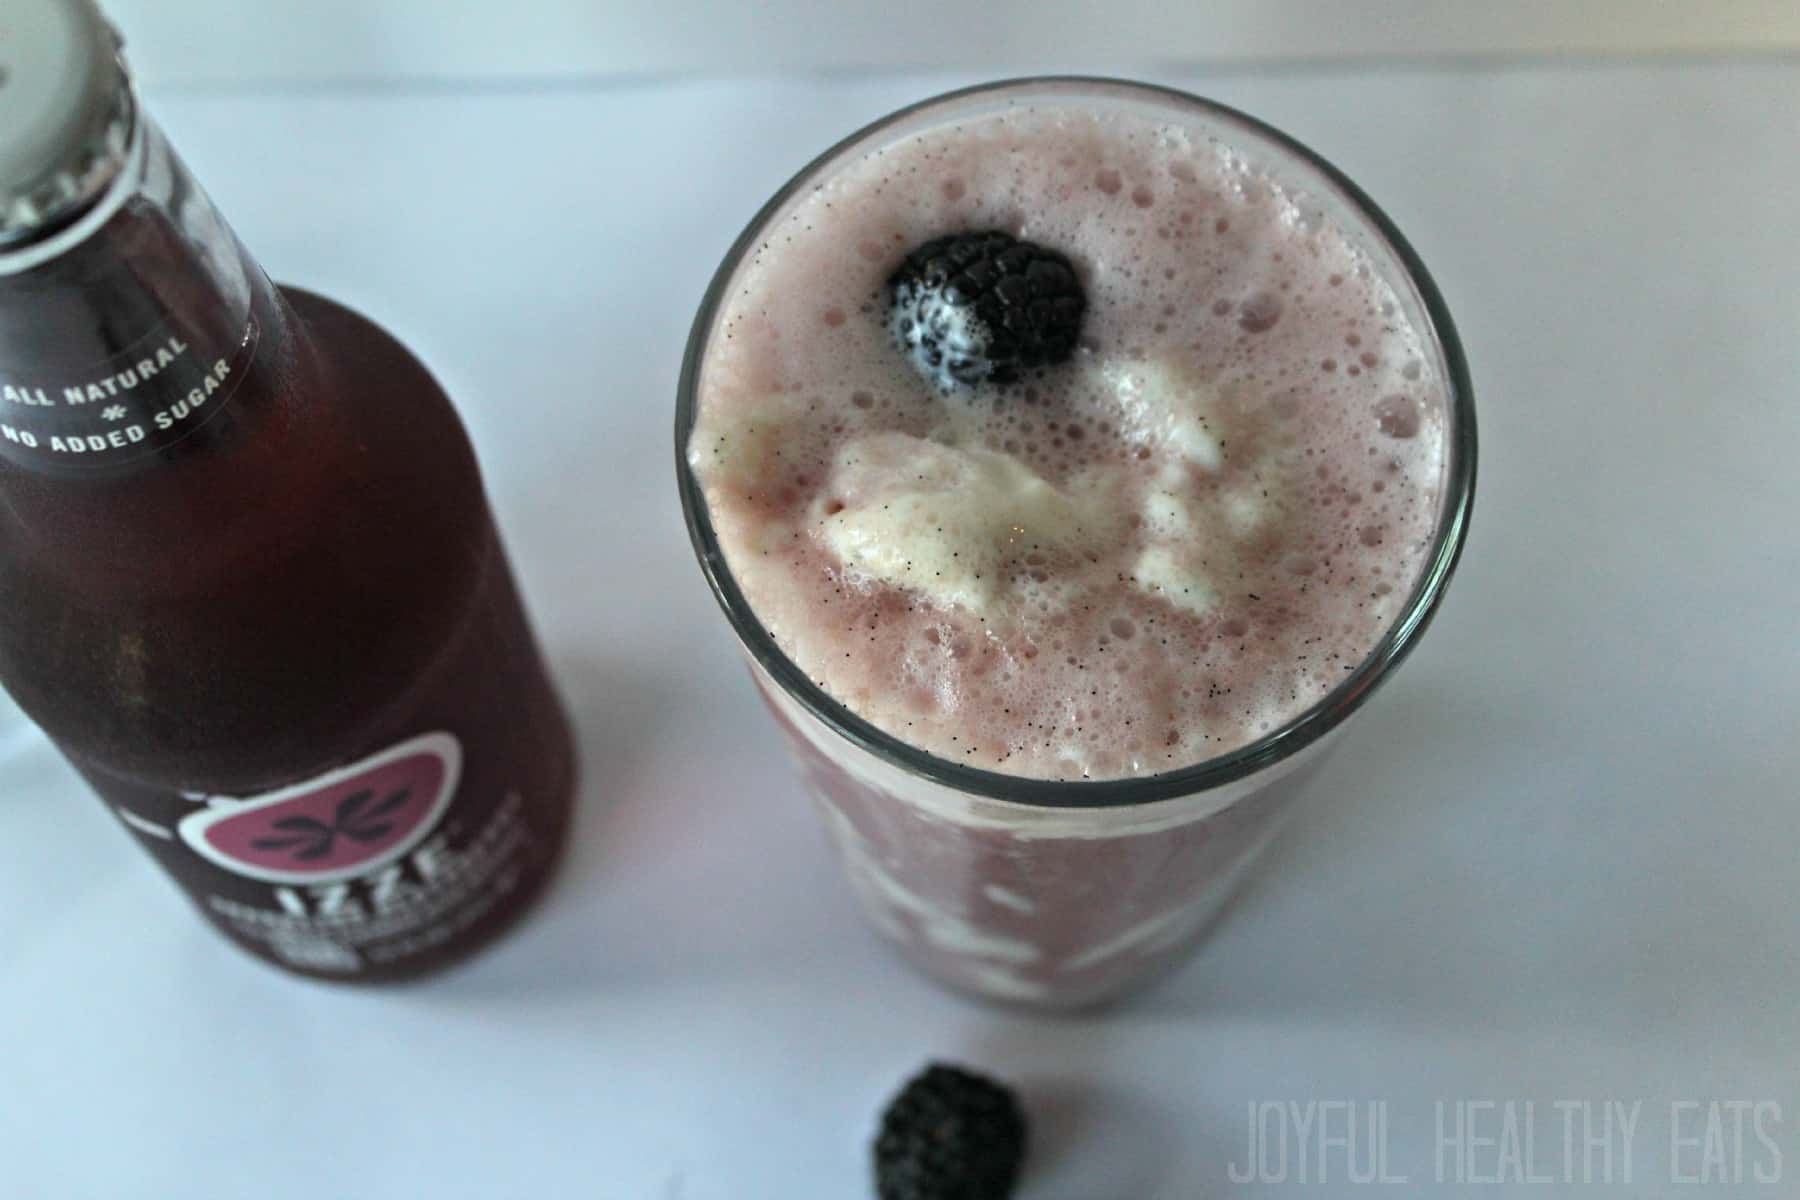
[1195, 261]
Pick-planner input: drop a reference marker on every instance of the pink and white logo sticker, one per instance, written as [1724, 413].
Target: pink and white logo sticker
[340, 825]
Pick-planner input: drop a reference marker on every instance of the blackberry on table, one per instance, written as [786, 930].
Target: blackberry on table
[973, 308]
[950, 1135]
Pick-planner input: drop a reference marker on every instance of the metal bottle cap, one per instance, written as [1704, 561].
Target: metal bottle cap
[65, 113]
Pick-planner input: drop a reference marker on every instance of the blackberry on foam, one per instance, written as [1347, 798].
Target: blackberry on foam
[1148, 555]
[974, 308]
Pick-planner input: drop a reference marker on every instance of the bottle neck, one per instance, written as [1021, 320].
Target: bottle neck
[125, 338]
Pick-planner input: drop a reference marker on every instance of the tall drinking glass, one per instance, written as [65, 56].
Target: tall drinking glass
[1051, 893]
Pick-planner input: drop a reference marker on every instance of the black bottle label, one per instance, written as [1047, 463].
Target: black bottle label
[364, 867]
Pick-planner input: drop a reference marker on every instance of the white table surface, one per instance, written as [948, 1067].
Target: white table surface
[1554, 862]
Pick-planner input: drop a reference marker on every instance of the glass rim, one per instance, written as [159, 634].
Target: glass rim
[1301, 731]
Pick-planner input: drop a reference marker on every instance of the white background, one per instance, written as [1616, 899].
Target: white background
[1554, 862]
[381, 41]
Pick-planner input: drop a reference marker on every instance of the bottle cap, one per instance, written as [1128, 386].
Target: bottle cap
[65, 114]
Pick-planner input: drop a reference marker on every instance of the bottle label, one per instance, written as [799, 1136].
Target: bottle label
[166, 388]
[367, 865]
[344, 824]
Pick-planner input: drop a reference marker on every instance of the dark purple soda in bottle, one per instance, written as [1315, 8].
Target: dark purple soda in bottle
[249, 580]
